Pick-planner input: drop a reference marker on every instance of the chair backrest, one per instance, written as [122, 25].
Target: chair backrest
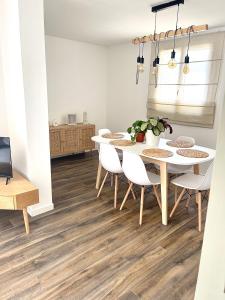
[187, 139]
[206, 182]
[134, 169]
[103, 131]
[109, 158]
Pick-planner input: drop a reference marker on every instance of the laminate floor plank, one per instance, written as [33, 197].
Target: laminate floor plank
[86, 249]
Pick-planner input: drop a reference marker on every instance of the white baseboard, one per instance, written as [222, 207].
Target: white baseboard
[39, 208]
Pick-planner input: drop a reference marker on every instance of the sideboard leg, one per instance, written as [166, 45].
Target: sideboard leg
[26, 220]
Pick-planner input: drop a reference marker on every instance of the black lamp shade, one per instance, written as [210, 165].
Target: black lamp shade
[142, 60]
[186, 60]
[173, 54]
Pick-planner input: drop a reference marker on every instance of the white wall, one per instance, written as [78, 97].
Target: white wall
[77, 80]
[36, 101]
[12, 83]
[3, 116]
[211, 278]
[127, 101]
[25, 93]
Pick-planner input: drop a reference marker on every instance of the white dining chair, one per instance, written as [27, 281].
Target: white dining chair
[199, 183]
[100, 133]
[180, 169]
[135, 171]
[110, 161]
[103, 131]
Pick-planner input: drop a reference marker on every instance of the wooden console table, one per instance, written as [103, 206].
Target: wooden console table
[18, 194]
[69, 139]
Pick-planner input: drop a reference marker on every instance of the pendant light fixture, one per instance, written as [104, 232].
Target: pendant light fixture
[156, 60]
[140, 61]
[156, 38]
[172, 62]
[186, 68]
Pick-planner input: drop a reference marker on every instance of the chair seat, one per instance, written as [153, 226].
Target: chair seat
[154, 178]
[177, 169]
[189, 181]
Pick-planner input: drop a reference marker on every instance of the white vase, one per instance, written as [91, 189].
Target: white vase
[151, 139]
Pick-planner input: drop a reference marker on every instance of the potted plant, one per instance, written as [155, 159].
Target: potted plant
[136, 132]
[154, 127]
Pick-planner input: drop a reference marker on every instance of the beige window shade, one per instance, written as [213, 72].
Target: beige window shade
[187, 99]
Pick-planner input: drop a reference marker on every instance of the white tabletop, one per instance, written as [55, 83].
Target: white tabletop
[175, 159]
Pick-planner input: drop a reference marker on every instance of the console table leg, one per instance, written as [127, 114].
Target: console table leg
[26, 220]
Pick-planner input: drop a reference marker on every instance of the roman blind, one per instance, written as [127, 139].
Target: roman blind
[187, 99]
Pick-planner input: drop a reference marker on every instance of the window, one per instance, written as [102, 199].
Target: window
[187, 99]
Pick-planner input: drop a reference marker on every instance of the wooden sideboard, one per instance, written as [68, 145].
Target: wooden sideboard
[69, 139]
[17, 195]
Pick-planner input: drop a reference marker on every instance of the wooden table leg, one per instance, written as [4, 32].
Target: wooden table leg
[196, 169]
[164, 192]
[99, 173]
[26, 220]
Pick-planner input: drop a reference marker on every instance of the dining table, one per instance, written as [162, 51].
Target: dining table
[175, 159]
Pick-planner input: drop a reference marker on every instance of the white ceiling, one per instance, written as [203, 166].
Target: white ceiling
[108, 22]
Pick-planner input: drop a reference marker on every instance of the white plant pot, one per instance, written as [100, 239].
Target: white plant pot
[151, 139]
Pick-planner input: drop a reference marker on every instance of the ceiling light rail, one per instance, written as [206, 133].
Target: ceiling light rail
[170, 34]
[158, 7]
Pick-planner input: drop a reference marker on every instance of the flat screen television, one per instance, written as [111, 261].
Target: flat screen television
[5, 158]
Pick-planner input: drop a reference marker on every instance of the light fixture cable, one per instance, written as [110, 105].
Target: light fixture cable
[174, 38]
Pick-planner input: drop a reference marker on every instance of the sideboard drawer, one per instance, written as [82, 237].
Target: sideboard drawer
[6, 202]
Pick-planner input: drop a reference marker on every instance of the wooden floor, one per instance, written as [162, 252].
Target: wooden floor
[85, 249]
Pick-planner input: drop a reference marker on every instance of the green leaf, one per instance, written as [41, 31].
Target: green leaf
[153, 121]
[156, 131]
[161, 127]
[133, 138]
[144, 126]
[150, 126]
[129, 130]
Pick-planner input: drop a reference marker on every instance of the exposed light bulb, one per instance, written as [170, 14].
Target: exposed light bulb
[141, 68]
[140, 65]
[155, 70]
[186, 68]
[172, 62]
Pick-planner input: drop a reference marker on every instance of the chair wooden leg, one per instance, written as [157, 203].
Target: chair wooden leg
[126, 196]
[133, 194]
[177, 202]
[132, 191]
[103, 182]
[199, 201]
[157, 196]
[175, 193]
[141, 204]
[116, 190]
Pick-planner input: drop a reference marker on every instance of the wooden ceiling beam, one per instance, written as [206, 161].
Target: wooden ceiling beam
[169, 34]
